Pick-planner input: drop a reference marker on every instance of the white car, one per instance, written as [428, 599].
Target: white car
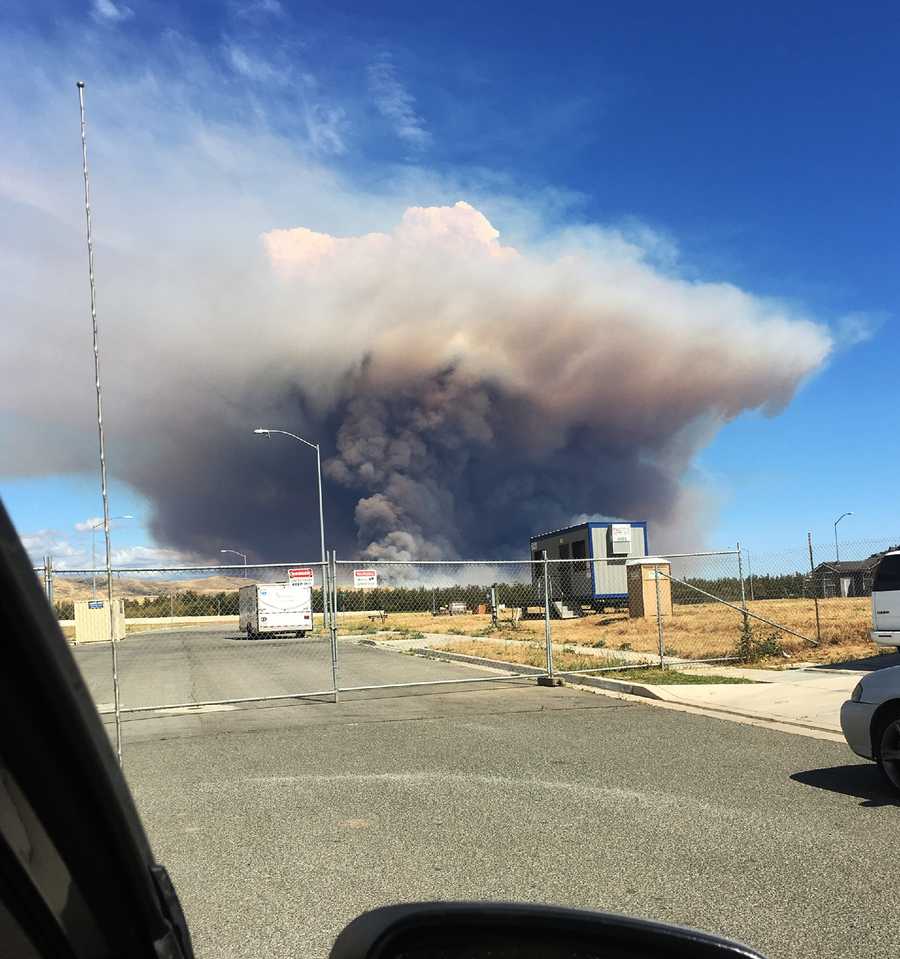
[886, 601]
[870, 720]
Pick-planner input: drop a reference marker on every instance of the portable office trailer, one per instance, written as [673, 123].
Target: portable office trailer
[586, 580]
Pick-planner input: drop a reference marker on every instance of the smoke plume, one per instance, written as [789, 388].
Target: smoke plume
[487, 394]
[467, 391]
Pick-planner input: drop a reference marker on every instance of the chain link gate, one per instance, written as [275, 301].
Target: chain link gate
[405, 624]
[182, 646]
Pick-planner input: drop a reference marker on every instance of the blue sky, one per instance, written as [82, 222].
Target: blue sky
[760, 147]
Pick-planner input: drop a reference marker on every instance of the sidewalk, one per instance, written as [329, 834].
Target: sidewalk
[802, 697]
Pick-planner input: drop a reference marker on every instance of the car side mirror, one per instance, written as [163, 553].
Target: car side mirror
[476, 930]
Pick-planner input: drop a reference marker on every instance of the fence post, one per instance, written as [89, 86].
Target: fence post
[325, 595]
[743, 590]
[48, 572]
[812, 579]
[548, 633]
[659, 623]
[333, 617]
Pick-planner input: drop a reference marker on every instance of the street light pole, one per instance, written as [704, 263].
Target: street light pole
[837, 554]
[94, 529]
[237, 553]
[315, 446]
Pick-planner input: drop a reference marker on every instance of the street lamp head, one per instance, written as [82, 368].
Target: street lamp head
[260, 430]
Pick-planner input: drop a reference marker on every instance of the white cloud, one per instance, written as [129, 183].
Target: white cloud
[50, 542]
[69, 556]
[396, 104]
[86, 525]
[106, 11]
[150, 556]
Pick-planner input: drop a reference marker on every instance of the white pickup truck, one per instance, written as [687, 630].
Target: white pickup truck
[276, 608]
[886, 601]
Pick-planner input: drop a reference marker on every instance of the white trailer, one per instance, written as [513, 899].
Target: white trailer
[275, 608]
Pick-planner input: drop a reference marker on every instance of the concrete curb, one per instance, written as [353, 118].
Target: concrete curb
[614, 685]
[596, 682]
[618, 686]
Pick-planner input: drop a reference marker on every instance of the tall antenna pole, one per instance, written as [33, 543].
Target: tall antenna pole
[103, 487]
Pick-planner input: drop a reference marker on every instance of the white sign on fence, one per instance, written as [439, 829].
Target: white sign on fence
[300, 576]
[365, 578]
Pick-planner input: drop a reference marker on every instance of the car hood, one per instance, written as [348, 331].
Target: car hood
[881, 684]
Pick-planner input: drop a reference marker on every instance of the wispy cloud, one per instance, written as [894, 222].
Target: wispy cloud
[854, 328]
[106, 11]
[250, 66]
[326, 127]
[254, 9]
[326, 123]
[396, 104]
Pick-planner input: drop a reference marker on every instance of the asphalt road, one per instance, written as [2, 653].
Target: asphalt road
[169, 667]
[280, 823]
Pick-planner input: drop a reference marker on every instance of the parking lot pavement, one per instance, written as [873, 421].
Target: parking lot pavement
[202, 665]
[281, 823]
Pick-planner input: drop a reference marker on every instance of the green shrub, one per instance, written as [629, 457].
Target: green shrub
[750, 649]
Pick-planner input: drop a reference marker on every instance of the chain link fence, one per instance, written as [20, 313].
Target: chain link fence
[185, 641]
[661, 611]
[543, 617]
[822, 589]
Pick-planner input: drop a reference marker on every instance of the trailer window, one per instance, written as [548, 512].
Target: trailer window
[887, 576]
[579, 551]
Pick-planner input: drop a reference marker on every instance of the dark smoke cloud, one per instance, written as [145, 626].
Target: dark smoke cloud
[466, 394]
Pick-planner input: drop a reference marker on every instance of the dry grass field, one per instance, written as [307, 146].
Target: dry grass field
[533, 655]
[700, 631]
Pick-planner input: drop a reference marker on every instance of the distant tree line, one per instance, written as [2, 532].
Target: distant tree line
[402, 599]
[767, 586]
